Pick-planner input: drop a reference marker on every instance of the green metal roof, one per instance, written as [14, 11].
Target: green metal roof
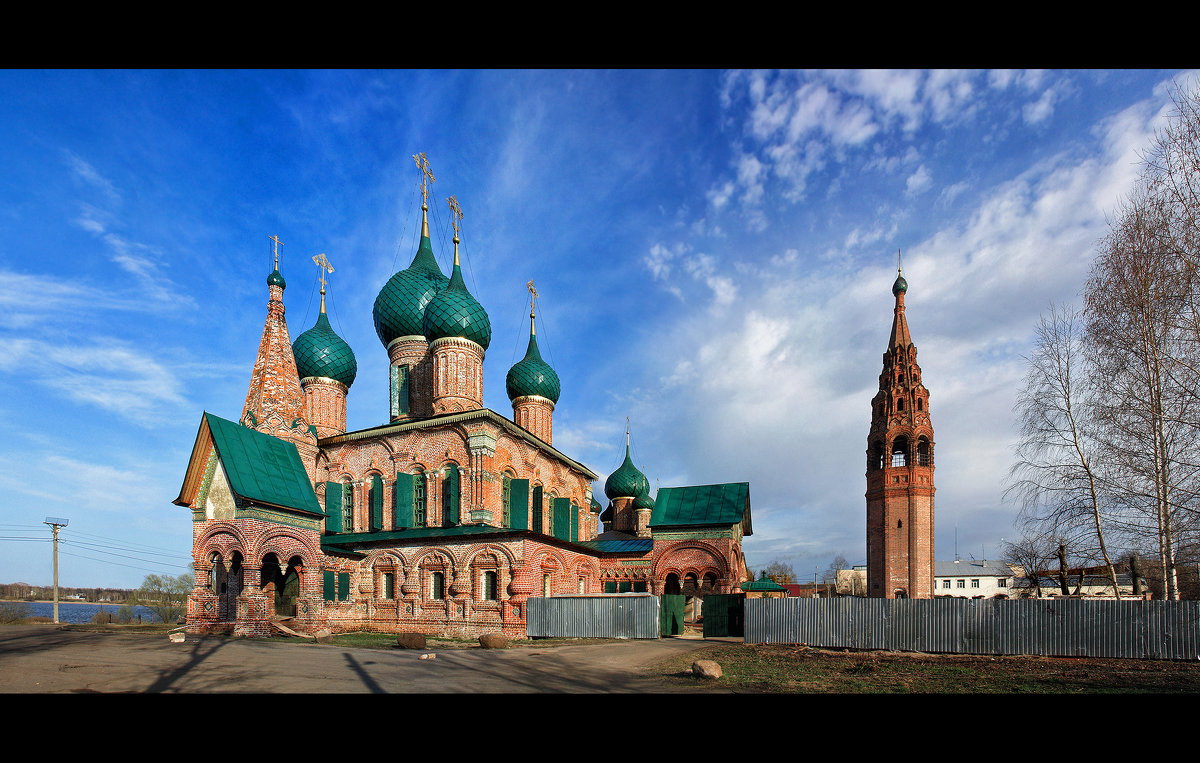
[261, 468]
[400, 306]
[455, 313]
[414, 533]
[633, 546]
[321, 352]
[532, 376]
[764, 583]
[725, 504]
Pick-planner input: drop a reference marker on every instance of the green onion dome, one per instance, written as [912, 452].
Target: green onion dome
[276, 279]
[596, 508]
[455, 313]
[321, 352]
[900, 286]
[644, 501]
[626, 481]
[400, 306]
[532, 376]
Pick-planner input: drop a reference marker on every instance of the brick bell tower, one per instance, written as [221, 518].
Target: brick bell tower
[900, 472]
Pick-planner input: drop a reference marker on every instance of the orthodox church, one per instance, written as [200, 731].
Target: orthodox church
[445, 519]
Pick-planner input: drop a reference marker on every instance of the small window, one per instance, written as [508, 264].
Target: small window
[546, 585]
[419, 499]
[1002, 583]
[506, 502]
[960, 584]
[639, 586]
[581, 586]
[945, 584]
[389, 585]
[437, 586]
[348, 506]
[490, 589]
[974, 583]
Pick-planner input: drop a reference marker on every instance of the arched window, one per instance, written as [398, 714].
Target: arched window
[450, 496]
[491, 591]
[924, 452]
[546, 584]
[900, 452]
[875, 456]
[899, 403]
[347, 506]
[437, 586]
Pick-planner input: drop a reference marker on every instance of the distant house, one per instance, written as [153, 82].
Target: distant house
[1094, 584]
[973, 579]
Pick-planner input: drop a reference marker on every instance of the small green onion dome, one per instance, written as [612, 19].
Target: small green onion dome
[900, 286]
[644, 501]
[596, 507]
[276, 279]
[400, 306]
[532, 376]
[321, 352]
[626, 481]
[455, 313]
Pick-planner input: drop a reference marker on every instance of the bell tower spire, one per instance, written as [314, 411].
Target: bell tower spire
[900, 485]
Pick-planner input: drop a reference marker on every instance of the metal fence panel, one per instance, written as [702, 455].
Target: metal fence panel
[1052, 627]
[608, 616]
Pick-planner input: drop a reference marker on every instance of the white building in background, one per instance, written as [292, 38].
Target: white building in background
[973, 579]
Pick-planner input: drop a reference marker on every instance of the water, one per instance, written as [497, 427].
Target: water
[75, 612]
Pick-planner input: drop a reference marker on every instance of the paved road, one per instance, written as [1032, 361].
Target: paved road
[36, 658]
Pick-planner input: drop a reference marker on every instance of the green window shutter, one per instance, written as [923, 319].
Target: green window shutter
[399, 391]
[610, 586]
[403, 495]
[343, 586]
[450, 496]
[376, 503]
[539, 498]
[562, 519]
[333, 507]
[574, 523]
[329, 592]
[519, 504]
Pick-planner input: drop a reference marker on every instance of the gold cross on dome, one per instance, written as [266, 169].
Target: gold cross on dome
[456, 215]
[426, 174]
[532, 291]
[278, 243]
[323, 265]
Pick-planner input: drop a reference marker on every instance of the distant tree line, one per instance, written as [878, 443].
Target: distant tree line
[1107, 467]
[27, 592]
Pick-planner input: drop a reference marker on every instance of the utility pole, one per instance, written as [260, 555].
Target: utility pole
[55, 523]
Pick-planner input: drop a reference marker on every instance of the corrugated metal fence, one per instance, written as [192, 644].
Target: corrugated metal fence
[1165, 630]
[608, 616]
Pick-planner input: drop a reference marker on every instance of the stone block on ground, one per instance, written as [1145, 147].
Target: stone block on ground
[410, 640]
[493, 641]
[706, 669]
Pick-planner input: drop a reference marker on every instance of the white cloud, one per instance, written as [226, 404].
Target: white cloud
[919, 181]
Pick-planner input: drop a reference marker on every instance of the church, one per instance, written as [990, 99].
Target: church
[446, 518]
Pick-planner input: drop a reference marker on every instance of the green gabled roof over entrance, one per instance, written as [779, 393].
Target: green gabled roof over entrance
[764, 583]
[725, 504]
[261, 468]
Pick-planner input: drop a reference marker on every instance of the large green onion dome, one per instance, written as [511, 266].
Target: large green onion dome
[321, 352]
[532, 375]
[400, 307]
[455, 313]
[626, 481]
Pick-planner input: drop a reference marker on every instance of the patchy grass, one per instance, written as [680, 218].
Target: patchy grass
[768, 668]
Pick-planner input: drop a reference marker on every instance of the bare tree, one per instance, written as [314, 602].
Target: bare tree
[781, 572]
[1054, 475]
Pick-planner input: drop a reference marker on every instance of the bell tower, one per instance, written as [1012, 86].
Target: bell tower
[900, 471]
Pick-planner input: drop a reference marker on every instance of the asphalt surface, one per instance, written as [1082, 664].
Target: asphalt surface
[45, 659]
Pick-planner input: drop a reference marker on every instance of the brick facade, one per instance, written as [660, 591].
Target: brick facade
[900, 489]
[462, 564]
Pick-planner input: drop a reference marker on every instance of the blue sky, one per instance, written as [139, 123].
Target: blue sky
[713, 251]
